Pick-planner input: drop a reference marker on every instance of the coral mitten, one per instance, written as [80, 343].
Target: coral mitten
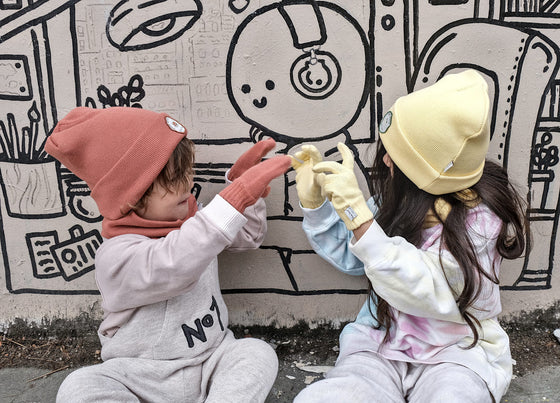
[250, 158]
[253, 183]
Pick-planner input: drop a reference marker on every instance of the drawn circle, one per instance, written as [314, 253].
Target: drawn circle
[388, 22]
[68, 256]
[302, 95]
[316, 78]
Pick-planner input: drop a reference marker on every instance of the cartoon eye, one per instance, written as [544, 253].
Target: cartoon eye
[245, 88]
[141, 24]
[269, 84]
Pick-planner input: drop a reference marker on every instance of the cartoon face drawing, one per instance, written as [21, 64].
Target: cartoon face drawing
[296, 72]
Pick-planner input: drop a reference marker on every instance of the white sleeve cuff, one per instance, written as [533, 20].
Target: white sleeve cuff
[224, 216]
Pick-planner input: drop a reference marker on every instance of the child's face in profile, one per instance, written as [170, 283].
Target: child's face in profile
[164, 205]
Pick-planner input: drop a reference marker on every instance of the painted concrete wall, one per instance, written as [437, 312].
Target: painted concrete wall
[234, 71]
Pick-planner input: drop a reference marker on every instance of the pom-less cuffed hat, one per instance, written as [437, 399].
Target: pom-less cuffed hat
[118, 152]
[439, 135]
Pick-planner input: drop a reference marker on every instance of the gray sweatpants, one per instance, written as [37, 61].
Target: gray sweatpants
[368, 377]
[241, 370]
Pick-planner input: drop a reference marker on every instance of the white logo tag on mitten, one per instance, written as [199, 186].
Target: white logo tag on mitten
[350, 213]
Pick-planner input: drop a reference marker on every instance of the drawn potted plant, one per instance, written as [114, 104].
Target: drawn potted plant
[30, 177]
[544, 158]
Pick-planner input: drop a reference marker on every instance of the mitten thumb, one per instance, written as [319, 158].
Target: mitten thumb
[250, 158]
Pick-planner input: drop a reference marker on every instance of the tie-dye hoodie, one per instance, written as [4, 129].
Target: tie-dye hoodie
[422, 289]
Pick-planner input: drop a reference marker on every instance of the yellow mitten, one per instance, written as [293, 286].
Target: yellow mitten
[308, 190]
[339, 183]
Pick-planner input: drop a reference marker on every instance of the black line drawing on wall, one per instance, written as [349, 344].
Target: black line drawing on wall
[318, 60]
[320, 69]
[531, 59]
[70, 259]
[508, 42]
[279, 65]
[30, 183]
[36, 81]
[127, 95]
[238, 6]
[145, 24]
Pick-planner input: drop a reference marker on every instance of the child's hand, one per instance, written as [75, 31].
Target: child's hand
[251, 158]
[341, 187]
[308, 190]
[253, 183]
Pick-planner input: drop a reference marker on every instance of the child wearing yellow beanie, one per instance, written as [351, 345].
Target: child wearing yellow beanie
[164, 335]
[430, 242]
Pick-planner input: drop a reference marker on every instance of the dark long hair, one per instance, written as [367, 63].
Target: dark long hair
[395, 194]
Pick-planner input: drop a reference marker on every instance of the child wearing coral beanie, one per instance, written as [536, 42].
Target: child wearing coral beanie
[164, 335]
[430, 242]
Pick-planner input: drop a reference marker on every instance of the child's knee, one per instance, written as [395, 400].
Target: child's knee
[261, 354]
[75, 381]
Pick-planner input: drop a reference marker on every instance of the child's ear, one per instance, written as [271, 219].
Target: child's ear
[389, 162]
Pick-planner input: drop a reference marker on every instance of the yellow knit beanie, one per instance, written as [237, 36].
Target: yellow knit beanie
[438, 136]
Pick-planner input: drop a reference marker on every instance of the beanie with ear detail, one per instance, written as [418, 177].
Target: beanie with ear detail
[438, 136]
[118, 152]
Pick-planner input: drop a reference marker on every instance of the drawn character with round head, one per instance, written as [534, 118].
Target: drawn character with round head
[297, 71]
[306, 75]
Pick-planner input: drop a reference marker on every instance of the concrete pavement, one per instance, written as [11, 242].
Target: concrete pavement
[26, 385]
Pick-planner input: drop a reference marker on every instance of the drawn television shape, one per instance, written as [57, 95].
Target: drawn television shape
[519, 73]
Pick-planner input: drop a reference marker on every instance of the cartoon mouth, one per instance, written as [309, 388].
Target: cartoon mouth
[260, 104]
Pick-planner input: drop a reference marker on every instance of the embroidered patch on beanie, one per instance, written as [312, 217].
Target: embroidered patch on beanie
[174, 125]
[386, 122]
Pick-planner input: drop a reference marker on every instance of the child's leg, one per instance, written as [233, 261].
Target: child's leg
[445, 383]
[241, 370]
[130, 380]
[359, 377]
[90, 384]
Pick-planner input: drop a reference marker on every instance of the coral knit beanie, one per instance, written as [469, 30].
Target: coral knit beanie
[439, 135]
[118, 152]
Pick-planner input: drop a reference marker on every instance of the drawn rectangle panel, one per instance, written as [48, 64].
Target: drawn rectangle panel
[42, 260]
[15, 80]
[11, 4]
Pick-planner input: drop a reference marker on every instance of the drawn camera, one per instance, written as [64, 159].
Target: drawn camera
[76, 256]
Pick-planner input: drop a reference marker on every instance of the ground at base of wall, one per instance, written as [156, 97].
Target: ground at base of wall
[298, 348]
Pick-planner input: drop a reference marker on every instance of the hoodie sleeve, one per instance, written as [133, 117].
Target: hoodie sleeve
[252, 234]
[133, 270]
[421, 282]
[330, 238]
